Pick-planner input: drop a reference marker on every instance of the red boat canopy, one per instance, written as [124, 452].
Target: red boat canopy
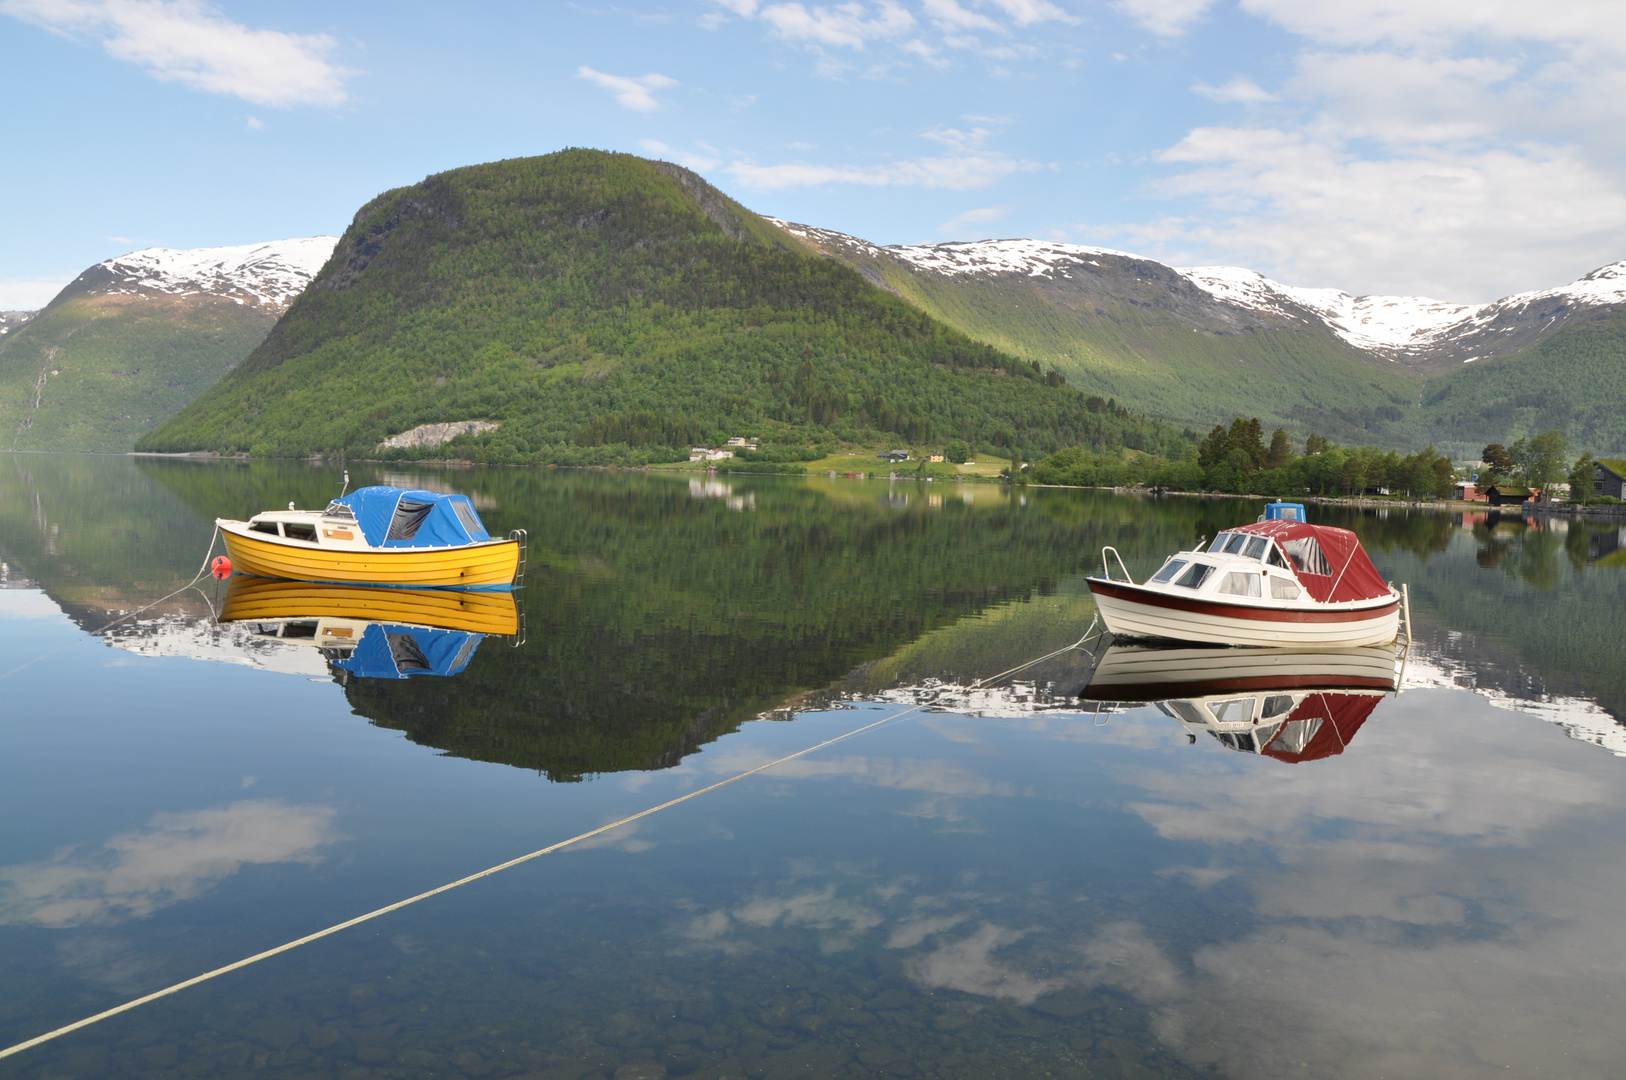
[1342, 573]
[1336, 717]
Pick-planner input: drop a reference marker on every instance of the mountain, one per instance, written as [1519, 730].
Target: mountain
[132, 339]
[1429, 336]
[11, 320]
[1203, 344]
[1146, 334]
[595, 307]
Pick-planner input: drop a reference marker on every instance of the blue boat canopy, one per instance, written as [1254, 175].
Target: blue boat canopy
[409, 517]
[399, 652]
[1284, 511]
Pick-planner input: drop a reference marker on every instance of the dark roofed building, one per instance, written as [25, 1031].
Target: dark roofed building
[1609, 478]
[1508, 494]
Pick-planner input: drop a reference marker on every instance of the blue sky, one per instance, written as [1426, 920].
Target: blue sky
[1462, 149]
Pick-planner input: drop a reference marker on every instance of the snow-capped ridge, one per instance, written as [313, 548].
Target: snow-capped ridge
[1035, 258]
[268, 275]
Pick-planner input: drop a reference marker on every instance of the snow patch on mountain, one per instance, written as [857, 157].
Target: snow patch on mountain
[266, 275]
[1034, 258]
[1380, 323]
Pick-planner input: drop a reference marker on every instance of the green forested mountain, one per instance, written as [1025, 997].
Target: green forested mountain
[603, 308]
[1133, 329]
[1574, 381]
[133, 339]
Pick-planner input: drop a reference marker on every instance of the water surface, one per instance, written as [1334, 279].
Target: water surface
[1005, 883]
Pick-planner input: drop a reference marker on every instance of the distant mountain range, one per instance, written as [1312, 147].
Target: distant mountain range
[1202, 344]
[131, 340]
[597, 308]
[135, 339]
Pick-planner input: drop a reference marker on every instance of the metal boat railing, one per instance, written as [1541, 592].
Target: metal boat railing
[1106, 571]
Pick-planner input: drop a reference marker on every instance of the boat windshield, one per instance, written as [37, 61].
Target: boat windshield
[1195, 575]
[339, 510]
[1256, 547]
[1219, 542]
[1170, 568]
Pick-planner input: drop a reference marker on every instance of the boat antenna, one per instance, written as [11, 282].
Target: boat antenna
[346, 483]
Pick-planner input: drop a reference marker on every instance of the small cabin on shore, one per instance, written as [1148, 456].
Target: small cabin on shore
[1609, 478]
[894, 455]
[1509, 495]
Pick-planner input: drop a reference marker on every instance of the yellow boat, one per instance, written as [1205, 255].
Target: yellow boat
[376, 536]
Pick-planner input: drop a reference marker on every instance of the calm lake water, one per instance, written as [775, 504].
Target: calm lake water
[1010, 883]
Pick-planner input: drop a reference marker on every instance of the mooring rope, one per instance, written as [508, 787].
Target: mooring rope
[204, 569]
[551, 848]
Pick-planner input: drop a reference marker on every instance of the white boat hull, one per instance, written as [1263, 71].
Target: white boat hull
[1137, 612]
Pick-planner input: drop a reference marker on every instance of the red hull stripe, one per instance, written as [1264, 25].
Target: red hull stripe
[1137, 595]
[1169, 691]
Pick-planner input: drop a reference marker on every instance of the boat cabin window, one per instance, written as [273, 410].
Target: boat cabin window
[1189, 712]
[1170, 568]
[465, 514]
[269, 527]
[299, 531]
[1239, 583]
[409, 515]
[1240, 740]
[1283, 589]
[1296, 735]
[1275, 557]
[1235, 711]
[339, 510]
[301, 629]
[1219, 543]
[1234, 545]
[1195, 575]
[1307, 557]
[1256, 547]
[1275, 705]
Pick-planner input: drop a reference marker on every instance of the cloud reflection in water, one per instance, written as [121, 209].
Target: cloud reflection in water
[176, 856]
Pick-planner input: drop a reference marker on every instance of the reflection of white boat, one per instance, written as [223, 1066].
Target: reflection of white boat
[1290, 704]
[1149, 673]
[1280, 581]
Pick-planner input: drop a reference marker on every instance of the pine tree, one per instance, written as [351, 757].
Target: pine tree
[1581, 474]
[1281, 450]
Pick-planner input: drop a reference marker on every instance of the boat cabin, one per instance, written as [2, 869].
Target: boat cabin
[1284, 511]
[1288, 727]
[379, 517]
[1281, 561]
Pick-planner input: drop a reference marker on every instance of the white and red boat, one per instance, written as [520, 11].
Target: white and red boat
[1278, 582]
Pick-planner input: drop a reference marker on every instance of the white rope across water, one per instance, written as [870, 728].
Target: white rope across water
[204, 569]
[398, 905]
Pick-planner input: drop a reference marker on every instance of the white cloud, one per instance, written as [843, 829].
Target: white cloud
[177, 856]
[1467, 225]
[636, 94]
[1463, 149]
[698, 162]
[28, 295]
[949, 15]
[1440, 22]
[28, 603]
[1027, 12]
[844, 25]
[1166, 18]
[1239, 91]
[978, 216]
[968, 166]
[188, 42]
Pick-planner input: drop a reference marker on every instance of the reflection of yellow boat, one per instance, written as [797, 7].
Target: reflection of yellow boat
[262, 600]
[375, 536]
[372, 633]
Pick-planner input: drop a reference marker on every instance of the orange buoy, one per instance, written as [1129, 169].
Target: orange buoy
[221, 567]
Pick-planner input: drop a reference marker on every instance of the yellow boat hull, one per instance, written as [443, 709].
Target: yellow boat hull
[492, 563]
[252, 599]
